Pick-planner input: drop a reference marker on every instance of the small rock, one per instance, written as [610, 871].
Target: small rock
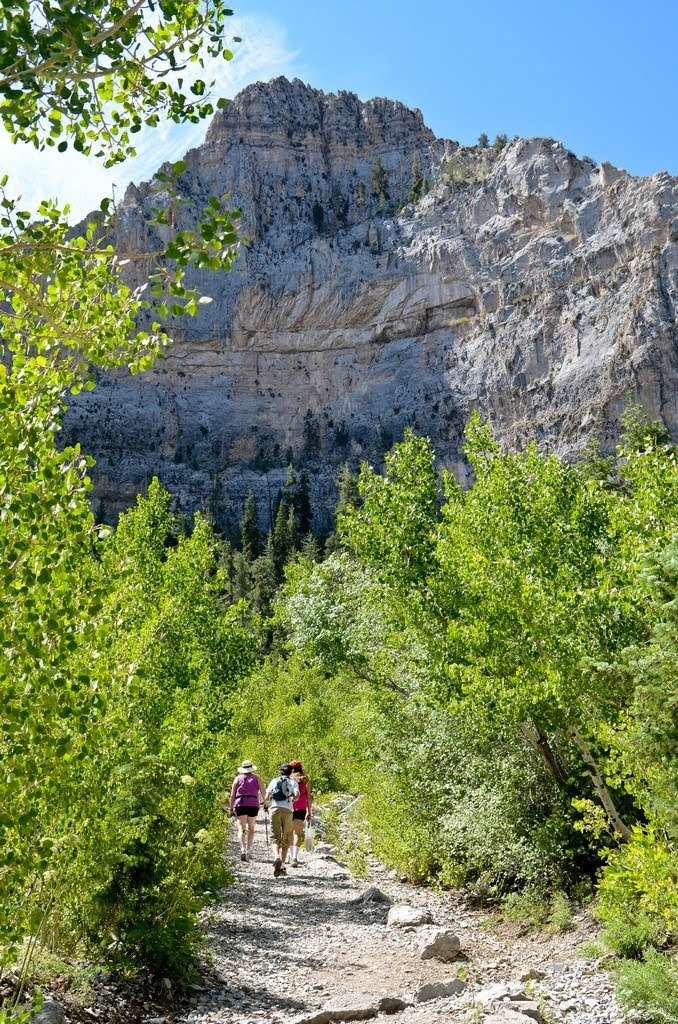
[392, 1004]
[557, 967]
[505, 1016]
[354, 1007]
[440, 945]
[500, 991]
[439, 990]
[326, 867]
[528, 1007]
[373, 895]
[404, 916]
[51, 1013]
[531, 974]
[568, 1006]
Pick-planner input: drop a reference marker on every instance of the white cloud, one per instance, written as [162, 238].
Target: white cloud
[82, 181]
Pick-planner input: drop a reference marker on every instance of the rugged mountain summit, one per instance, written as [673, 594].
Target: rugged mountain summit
[390, 279]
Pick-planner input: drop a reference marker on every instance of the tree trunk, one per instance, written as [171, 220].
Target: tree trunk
[601, 789]
[538, 738]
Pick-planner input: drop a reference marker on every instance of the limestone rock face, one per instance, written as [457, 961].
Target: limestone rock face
[390, 279]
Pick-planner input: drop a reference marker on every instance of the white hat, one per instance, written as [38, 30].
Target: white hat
[246, 767]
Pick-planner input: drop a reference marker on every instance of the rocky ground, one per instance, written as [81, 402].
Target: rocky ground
[316, 946]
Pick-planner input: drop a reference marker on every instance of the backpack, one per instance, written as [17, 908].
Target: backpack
[282, 789]
[247, 789]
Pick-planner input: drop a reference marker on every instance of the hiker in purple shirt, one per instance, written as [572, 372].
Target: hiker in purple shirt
[247, 794]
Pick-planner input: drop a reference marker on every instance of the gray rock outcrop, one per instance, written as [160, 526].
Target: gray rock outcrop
[390, 279]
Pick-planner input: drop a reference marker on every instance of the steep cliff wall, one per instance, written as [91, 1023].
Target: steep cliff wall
[535, 286]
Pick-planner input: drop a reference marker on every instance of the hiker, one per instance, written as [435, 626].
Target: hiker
[282, 792]
[302, 809]
[247, 794]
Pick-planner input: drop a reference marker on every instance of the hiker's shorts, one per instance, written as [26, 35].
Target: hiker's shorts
[281, 826]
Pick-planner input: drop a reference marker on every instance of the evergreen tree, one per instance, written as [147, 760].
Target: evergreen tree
[310, 548]
[280, 539]
[249, 530]
[347, 485]
[288, 493]
[499, 142]
[417, 189]
[264, 580]
[380, 182]
[311, 436]
[483, 140]
[226, 564]
[302, 505]
[241, 576]
[293, 535]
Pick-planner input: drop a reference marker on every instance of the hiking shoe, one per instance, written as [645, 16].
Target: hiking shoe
[243, 857]
[278, 869]
[295, 863]
[283, 870]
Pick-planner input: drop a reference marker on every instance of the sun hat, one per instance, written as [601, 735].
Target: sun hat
[246, 767]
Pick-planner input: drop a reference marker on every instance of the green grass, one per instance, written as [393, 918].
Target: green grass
[46, 968]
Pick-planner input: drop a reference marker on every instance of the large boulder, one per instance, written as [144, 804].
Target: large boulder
[440, 945]
[405, 916]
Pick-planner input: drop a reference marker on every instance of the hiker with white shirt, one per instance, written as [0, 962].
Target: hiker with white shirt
[281, 793]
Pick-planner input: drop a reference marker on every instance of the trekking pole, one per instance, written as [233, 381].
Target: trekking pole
[266, 825]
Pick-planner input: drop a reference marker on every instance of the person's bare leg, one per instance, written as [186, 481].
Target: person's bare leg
[297, 827]
[251, 829]
[243, 825]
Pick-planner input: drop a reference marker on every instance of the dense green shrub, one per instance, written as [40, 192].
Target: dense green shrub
[650, 986]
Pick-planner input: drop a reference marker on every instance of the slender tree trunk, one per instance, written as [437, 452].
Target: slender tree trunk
[601, 789]
[540, 741]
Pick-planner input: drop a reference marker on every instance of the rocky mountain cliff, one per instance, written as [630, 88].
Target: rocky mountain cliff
[390, 278]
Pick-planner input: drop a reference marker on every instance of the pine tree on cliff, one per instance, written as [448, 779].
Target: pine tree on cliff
[280, 539]
[302, 505]
[293, 536]
[264, 579]
[380, 182]
[417, 187]
[347, 486]
[249, 530]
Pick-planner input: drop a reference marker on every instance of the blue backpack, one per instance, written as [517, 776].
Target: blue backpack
[282, 789]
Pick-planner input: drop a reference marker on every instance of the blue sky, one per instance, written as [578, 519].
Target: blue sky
[601, 75]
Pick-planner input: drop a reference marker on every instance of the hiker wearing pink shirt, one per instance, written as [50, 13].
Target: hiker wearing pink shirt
[301, 809]
[247, 795]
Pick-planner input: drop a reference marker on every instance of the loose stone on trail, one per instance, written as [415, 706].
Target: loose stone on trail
[440, 945]
[439, 990]
[404, 916]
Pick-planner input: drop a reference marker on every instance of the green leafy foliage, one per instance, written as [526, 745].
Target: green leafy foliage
[94, 74]
[99, 841]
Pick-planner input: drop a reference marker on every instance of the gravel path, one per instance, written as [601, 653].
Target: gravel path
[307, 948]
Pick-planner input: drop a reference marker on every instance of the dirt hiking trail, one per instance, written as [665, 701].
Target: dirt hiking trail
[315, 946]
